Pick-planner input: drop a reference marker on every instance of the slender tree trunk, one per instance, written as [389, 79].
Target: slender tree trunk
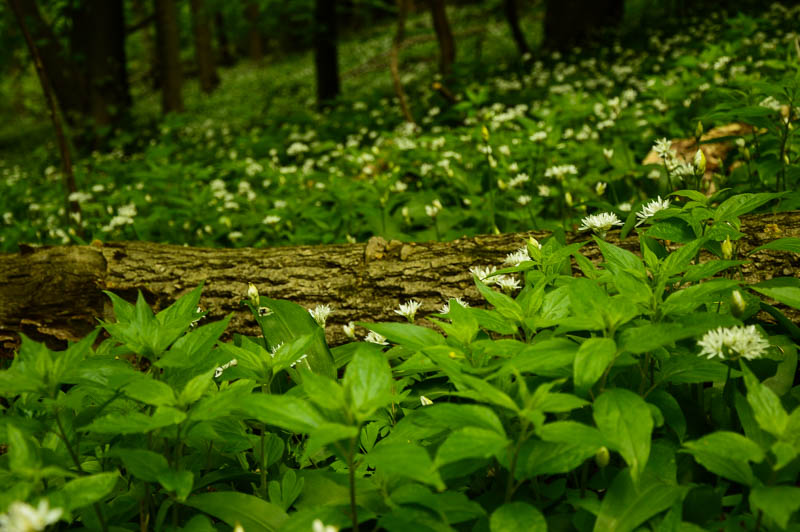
[570, 22]
[206, 66]
[255, 43]
[512, 16]
[394, 59]
[223, 44]
[447, 46]
[169, 55]
[326, 58]
[73, 207]
[98, 41]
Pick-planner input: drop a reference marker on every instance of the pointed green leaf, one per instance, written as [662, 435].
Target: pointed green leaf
[367, 381]
[404, 460]
[777, 502]
[517, 516]
[727, 454]
[591, 361]
[625, 421]
[253, 513]
[626, 506]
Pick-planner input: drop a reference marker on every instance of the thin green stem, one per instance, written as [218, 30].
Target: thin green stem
[511, 486]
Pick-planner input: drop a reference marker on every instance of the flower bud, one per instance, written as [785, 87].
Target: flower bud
[424, 401]
[786, 158]
[485, 133]
[746, 153]
[252, 294]
[727, 248]
[568, 199]
[700, 162]
[602, 457]
[698, 132]
[738, 304]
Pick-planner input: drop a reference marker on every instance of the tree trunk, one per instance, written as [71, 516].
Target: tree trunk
[394, 60]
[569, 23]
[98, 42]
[255, 43]
[223, 44]
[512, 17]
[447, 46]
[167, 37]
[326, 58]
[206, 67]
[55, 294]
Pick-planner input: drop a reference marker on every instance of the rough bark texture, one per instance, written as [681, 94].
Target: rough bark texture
[326, 57]
[255, 44]
[167, 35]
[54, 294]
[206, 66]
[447, 46]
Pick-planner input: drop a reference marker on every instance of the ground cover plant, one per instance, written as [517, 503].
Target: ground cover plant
[642, 395]
[565, 136]
[653, 391]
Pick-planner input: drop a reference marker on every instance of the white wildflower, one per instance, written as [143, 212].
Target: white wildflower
[538, 136]
[222, 368]
[559, 171]
[271, 219]
[376, 338]
[608, 153]
[320, 314]
[625, 206]
[408, 309]
[424, 401]
[544, 191]
[518, 257]
[508, 283]
[733, 342]
[446, 307]
[600, 187]
[483, 273]
[663, 147]
[600, 223]
[319, 526]
[524, 199]
[22, 517]
[518, 180]
[651, 208]
[350, 330]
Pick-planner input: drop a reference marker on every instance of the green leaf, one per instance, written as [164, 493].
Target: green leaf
[767, 408]
[692, 297]
[405, 460]
[618, 259]
[464, 324]
[505, 306]
[136, 422]
[290, 413]
[517, 516]
[550, 458]
[183, 311]
[782, 244]
[740, 204]
[777, 502]
[328, 433]
[679, 260]
[195, 388]
[549, 357]
[591, 361]
[189, 348]
[178, 482]
[625, 421]
[685, 369]
[627, 505]
[84, 491]
[143, 464]
[571, 432]
[454, 416]
[253, 513]
[367, 382]
[727, 454]
[20, 455]
[706, 270]
[290, 321]
[146, 389]
[691, 194]
[671, 411]
[470, 442]
[783, 289]
[408, 335]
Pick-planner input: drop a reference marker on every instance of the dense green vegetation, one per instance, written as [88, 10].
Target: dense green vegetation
[654, 392]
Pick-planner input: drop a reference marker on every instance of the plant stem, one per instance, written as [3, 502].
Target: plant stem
[352, 478]
[523, 435]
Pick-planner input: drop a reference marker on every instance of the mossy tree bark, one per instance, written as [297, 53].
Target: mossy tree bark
[55, 294]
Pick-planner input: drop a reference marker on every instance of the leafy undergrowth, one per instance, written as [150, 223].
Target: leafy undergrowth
[645, 395]
[564, 137]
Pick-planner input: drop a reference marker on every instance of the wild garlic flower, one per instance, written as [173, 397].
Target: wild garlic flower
[524, 199]
[608, 153]
[663, 147]
[22, 517]
[320, 314]
[543, 190]
[446, 307]
[252, 294]
[508, 283]
[559, 171]
[518, 257]
[483, 273]
[600, 187]
[600, 223]
[733, 342]
[518, 180]
[375, 338]
[424, 401]
[350, 330]
[319, 526]
[408, 309]
[651, 208]
[218, 372]
[433, 209]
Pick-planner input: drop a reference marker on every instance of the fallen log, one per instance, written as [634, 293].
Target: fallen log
[54, 294]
